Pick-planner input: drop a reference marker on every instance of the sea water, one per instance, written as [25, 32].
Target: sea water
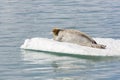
[26, 19]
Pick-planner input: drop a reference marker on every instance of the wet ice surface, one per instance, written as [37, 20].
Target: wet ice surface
[44, 44]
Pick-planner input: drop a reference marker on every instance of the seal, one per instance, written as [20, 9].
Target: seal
[76, 37]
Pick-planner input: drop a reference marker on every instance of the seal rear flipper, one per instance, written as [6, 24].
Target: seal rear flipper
[100, 46]
[94, 42]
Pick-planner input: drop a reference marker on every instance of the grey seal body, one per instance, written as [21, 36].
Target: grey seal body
[76, 37]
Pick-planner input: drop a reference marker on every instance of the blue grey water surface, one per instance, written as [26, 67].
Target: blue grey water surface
[22, 19]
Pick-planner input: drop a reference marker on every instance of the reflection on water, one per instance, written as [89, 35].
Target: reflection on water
[60, 67]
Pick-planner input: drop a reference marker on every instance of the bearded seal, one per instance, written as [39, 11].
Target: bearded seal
[76, 37]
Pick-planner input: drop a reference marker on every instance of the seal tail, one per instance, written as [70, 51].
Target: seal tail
[100, 46]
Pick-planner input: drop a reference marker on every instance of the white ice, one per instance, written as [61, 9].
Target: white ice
[44, 44]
